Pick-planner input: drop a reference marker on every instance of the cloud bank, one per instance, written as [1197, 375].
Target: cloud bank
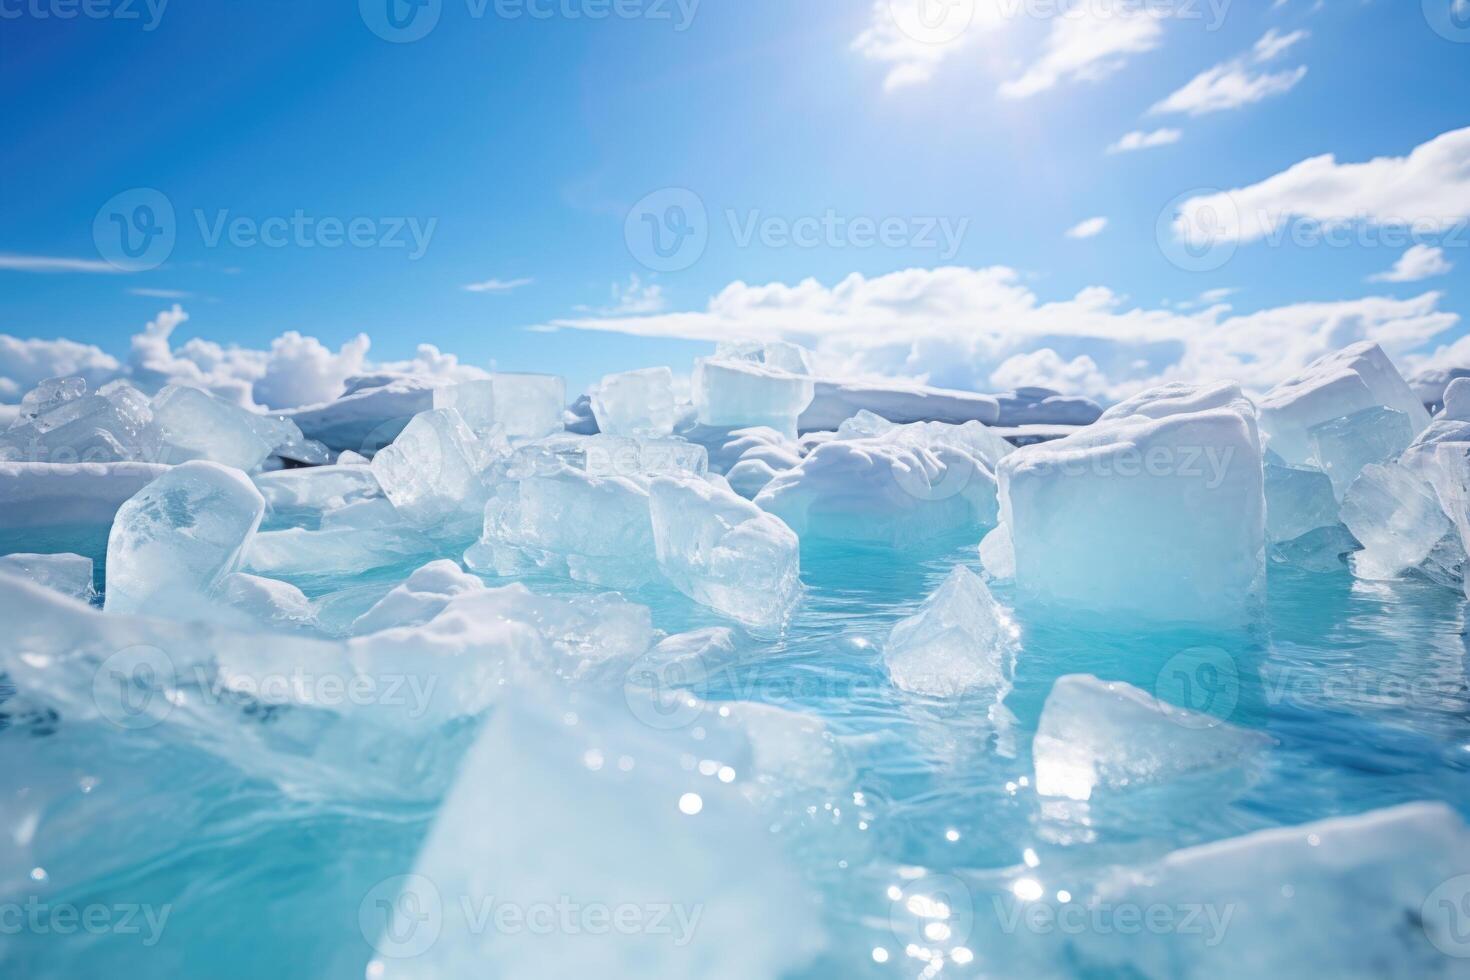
[982, 329]
[296, 370]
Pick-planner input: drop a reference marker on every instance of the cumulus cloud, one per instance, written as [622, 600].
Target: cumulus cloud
[957, 327]
[1140, 140]
[631, 299]
[296, 370]
[1419, 262]
[303, 371]
[26, 363]
[1090, 228]
[430, 362]
[229, 372]
[1089, 41]
[1045, 368]
[1426, 192]
[1238, 82]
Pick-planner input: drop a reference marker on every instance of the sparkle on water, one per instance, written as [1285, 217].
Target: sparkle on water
[1361, 685]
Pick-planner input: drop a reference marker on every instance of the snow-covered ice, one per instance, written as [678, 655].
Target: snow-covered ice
[1162, 518]
[1333, 386]
[834, 402]
[888, 492]
[266, 602]
[368, 416]
[48, 494]
[1457, 401]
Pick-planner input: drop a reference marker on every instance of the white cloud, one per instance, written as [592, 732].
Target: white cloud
[1273, 44]
[497, 285]
[958, 327]
[1217, 295]
[302, 371]
[1140, 140]
[229, 372]
[1087, 229]
[1045, 368]
[1419, 262]
[48, 263]
[1237, 82]
[26, 363]
[297, 370]
[1089, 41]
[897, 36]
[1426, 192]
[631, 299]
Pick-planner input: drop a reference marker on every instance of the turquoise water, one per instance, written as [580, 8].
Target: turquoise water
[1363, 686]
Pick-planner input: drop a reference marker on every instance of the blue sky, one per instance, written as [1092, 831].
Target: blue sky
[518, 144]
